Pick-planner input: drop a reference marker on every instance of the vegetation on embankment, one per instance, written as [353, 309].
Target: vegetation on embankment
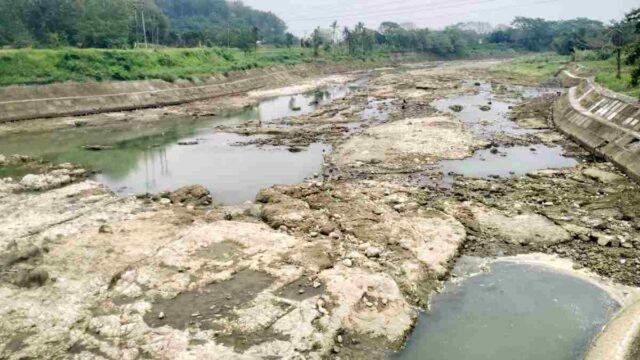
[538, 68]
[605, 73]
[43, 66]
[531, 69]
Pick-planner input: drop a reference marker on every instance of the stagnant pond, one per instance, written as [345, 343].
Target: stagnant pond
[507, 161]
[148, 158]
[513, 311]
[493, 120]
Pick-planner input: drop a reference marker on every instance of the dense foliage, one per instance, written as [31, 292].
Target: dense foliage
[633, 18]
[124, 23]
[563, 37]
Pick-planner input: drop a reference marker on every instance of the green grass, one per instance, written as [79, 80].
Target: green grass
[539, 67]
[532, 68]
[604, 72]
[44, 66]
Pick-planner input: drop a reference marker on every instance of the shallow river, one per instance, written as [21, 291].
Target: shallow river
[148, 158]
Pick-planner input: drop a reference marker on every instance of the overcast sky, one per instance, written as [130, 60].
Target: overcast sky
[304, 15]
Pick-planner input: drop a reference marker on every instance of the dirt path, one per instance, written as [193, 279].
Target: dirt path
[336, 267]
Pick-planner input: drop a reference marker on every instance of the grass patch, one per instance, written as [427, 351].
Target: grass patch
[45, 66]
[604, 72]
[532, 68]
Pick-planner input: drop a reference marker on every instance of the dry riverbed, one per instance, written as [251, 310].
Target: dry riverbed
[338, 266]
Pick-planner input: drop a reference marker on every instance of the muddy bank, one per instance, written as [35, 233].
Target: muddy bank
[338, 266]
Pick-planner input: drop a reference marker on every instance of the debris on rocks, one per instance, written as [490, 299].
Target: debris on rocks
[97, 147]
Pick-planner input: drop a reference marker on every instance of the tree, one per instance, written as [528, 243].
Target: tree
[533, 34]
[290, 39]
[349, 40]
[633, 18]
[334, 27]
[316, 40]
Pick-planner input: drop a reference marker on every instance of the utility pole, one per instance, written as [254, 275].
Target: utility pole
[135, 13]
[144, 28]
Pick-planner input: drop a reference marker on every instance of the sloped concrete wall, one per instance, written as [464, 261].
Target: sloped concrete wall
[606, 123]
[55, 100]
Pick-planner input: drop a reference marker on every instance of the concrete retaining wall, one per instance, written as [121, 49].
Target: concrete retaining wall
[45, 101]
[606, 123]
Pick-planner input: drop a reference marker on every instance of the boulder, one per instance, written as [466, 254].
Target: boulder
[195, 194]
[602, 176]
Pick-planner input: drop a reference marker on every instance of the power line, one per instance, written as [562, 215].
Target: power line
[387, 6]
[365, 16]
[429, 6]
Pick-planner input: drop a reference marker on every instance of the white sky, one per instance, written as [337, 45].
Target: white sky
[304, 15]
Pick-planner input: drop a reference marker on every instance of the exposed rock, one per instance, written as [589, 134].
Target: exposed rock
[602, 176]
[373, 251]
[424, 139]
[195, 194]
[32, 278]
[525, 228]
[44, 182]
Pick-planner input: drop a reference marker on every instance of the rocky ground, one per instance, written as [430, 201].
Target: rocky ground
[335, 267]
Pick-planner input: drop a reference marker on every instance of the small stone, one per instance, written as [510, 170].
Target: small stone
[161, 315]
[313, 234]
[604, 240]
[316, 284]
[165, 201]
[336, 349]
[373, 251]
[339, 339]
[347, 262]
[105, 229]
[301, 291]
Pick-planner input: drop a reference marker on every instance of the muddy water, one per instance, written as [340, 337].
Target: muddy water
[514, 311]
[286, 106]
[492, 120]
[148, 158]
[517, 160]
[233, 174]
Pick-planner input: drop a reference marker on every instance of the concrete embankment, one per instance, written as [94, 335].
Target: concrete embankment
[606, 123]
[620, 338]
[68, 99]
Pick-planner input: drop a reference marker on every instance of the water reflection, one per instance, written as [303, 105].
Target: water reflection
[147, 157]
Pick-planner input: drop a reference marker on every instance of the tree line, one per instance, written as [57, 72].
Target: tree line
[127, 23]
